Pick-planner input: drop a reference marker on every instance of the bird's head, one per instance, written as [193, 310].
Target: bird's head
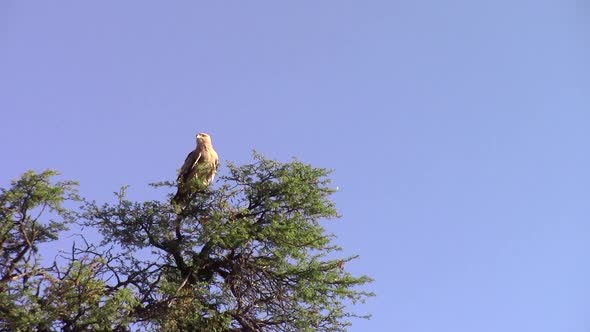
[203, 138]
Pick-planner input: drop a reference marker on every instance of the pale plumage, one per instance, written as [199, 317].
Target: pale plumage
[198, 170]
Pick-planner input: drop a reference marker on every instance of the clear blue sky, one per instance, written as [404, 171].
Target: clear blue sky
[458, 131]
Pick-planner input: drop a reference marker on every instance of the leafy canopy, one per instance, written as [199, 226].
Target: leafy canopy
[250, 255]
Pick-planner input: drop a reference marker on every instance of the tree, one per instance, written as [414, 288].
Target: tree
[248, 256]
[33, 297]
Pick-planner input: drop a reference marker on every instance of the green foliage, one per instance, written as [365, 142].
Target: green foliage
[23, 227]
[250, 255]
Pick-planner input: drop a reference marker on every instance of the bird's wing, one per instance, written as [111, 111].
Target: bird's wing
[199, 155]
[191, 160]
[214, 169]
[216, 163]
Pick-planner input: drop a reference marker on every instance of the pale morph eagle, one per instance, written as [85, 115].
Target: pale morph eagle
[198, 169]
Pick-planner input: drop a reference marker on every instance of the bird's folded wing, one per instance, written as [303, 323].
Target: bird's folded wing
[189, 163]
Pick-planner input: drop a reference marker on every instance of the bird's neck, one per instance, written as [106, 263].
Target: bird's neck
[203, 147]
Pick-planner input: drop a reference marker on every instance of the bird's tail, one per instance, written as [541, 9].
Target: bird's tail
[178, 201]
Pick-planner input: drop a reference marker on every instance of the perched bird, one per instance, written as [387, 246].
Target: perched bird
[198, 169]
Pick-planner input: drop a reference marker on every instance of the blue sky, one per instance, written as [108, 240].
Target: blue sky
[458, 131]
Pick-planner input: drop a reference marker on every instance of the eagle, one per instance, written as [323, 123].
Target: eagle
[198, 170]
